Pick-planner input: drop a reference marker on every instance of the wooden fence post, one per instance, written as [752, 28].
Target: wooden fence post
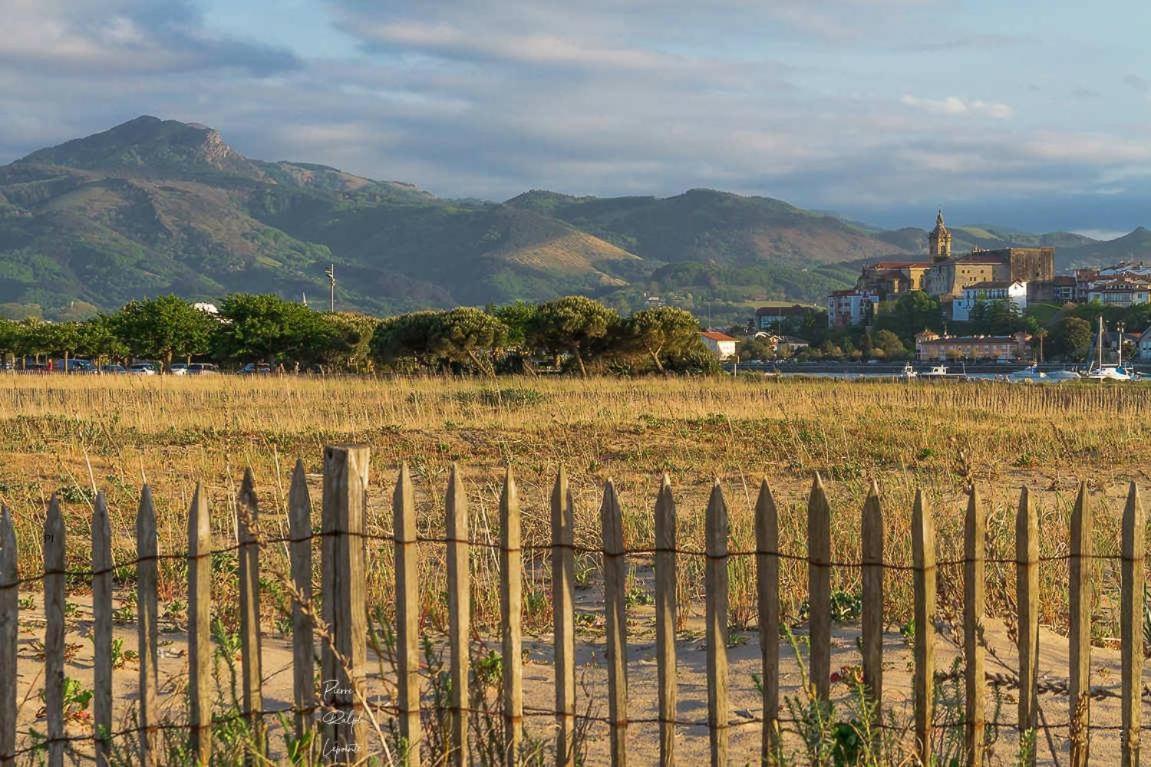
[511, 611]
[9, 633]
[563, 606]
[665, 616]
[101, 630]
[1027, 628]
[251, 658]
[975, 556]
[1131, 624]
[459, 616]
[407, 614]
[200, 627]
[715, 587]
[872, 550]
[54, 579]
[819, 588]
[923, 683]
[1082, 604]
[345, 499]
[147, 627]
[615, 608]
[767, 594]
[303, 606]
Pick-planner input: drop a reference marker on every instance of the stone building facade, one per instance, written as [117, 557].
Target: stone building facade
[945, 276]
[947, 279]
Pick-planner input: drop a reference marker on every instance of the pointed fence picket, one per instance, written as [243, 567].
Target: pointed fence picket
[459, 616]
[148, 628]
[1079, 636]
[1027, 623]
[715, 588]
[200, 628]
[511, 613]
[303, 617]
[9, 632]
[975, 682]
[615, 621]
[54, 581]
[101, 629]
[339, 716]
[665, 615]
[563, 617]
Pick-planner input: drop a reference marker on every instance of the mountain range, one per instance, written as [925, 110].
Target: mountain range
[158, 206]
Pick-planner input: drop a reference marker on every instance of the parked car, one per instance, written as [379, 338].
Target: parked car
[142, 369]
[113, 369]
[73, 365]
[256, 368]
[203, 368]
[178, 368]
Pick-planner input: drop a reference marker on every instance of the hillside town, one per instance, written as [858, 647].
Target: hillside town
[1006, 304]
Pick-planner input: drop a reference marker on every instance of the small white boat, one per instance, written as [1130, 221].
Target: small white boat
[1027, 375]
[1110, 373]
[938, 371]
[908, 372]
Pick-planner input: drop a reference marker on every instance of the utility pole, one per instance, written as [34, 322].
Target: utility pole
[331, 272]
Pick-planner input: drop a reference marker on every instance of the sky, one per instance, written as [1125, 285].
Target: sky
[1028, 115]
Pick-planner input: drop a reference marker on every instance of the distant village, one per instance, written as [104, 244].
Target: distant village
[1000, 305]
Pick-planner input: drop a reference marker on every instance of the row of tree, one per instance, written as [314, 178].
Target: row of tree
[574, 331]
[247, 328]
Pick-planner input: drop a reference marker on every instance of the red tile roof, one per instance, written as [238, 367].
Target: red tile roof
[900, 265]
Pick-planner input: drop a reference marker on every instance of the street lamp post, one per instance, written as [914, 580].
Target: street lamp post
[331, 272]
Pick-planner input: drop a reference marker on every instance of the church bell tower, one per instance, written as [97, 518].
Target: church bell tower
[939, 241]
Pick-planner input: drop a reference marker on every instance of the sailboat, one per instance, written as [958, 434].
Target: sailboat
[1101, 372]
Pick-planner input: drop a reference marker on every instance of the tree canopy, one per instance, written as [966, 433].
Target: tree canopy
[164, 328]
[576, 325]
[662, 333]
[267, 327]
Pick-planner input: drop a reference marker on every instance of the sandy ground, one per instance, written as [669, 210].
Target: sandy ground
[743, 655]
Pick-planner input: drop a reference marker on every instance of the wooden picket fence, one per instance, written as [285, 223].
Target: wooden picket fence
[340, 718]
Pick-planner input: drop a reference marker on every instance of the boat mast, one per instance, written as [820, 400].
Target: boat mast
[1099, 342]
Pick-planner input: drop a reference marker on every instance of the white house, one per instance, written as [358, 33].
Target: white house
[720, 344]
[1120, 292]
[1015, 292]
[851, 307]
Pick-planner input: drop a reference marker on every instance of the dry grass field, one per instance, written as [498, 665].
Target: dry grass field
[66, 435]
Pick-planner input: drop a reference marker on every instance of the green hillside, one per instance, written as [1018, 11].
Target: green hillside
[704, 225]
[157, 206]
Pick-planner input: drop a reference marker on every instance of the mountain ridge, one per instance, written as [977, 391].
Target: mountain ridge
[154, 205]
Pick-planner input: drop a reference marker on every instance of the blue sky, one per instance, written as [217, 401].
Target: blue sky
[1025, 114]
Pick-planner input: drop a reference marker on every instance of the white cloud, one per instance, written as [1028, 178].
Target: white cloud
[953, 105]
[109, 37]
[530, 49]
[488, 98]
